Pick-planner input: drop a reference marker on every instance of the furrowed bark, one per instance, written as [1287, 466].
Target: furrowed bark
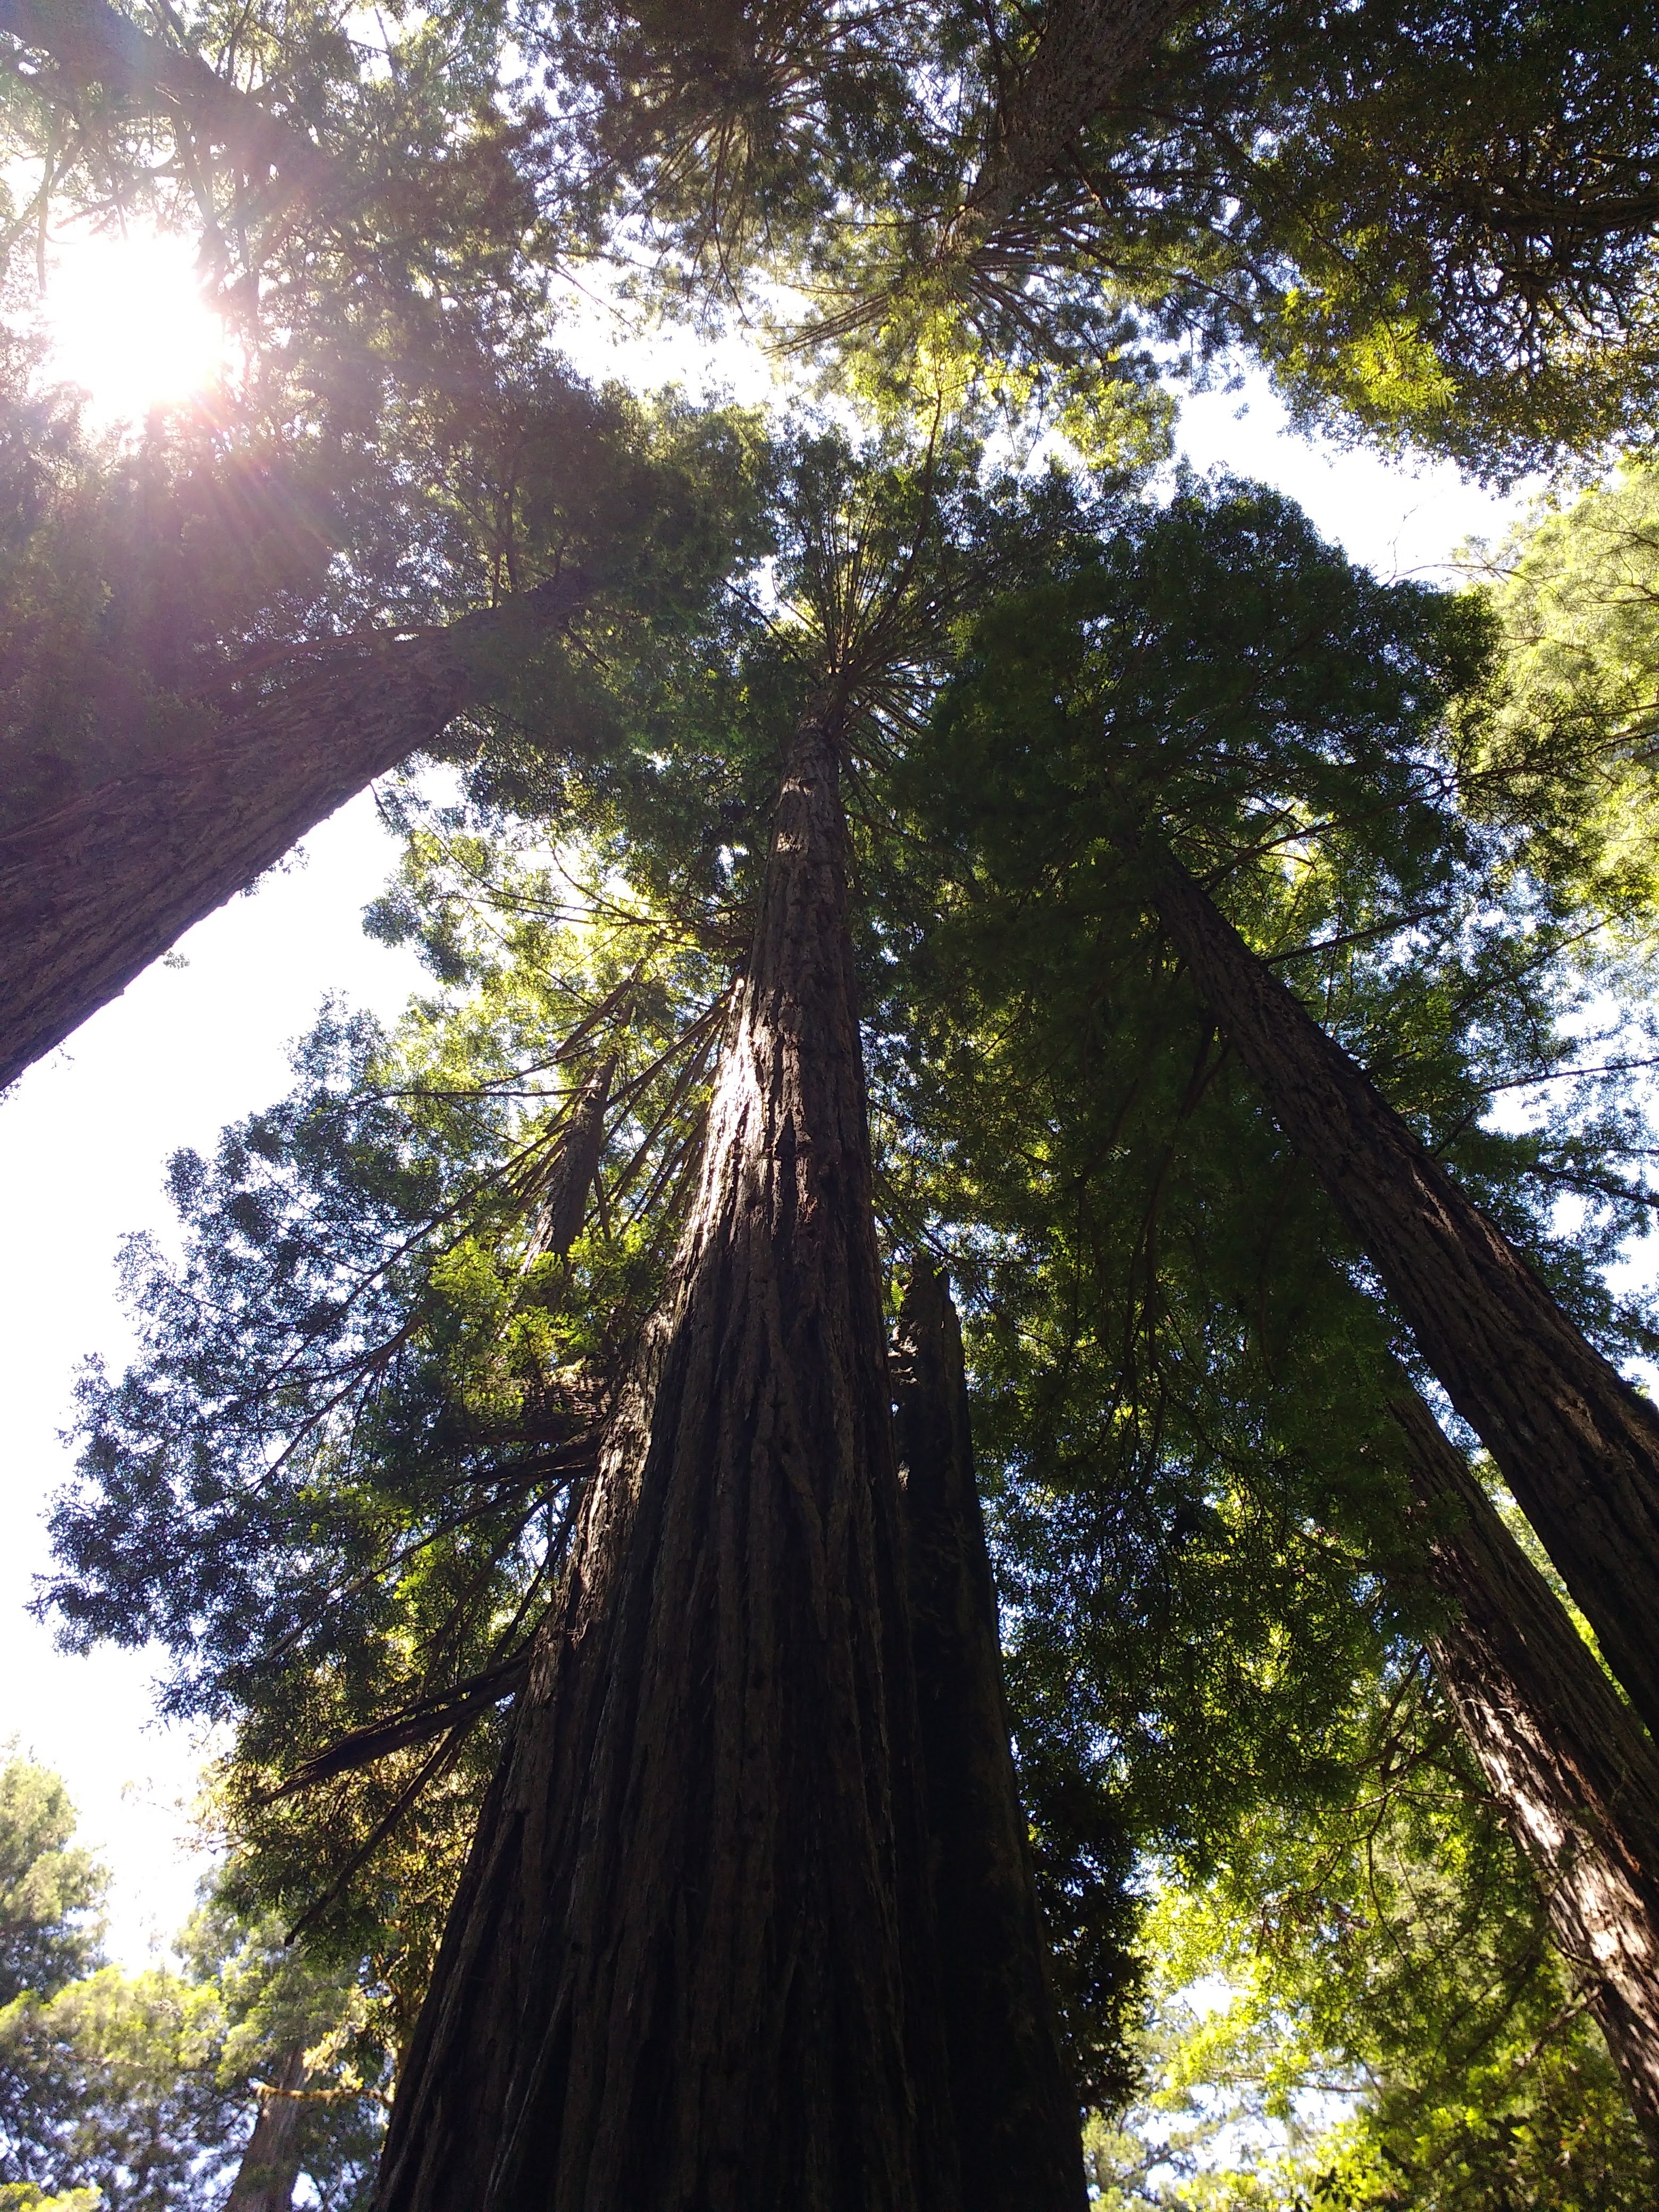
[270, 2164]
[94, 44]
[691, 1961]
[1083, 52]
[1016, 2115]
[92, 893]
[1575, 1772]
[1576, 1443]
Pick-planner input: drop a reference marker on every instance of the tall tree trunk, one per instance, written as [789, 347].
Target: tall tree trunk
[93, 892]
[1083, 52]
[1016, 2114]
[692, 1962]
[1575, 1774]
[1577, 1445]
[270, 2164]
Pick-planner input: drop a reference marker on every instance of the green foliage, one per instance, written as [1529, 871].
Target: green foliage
[277, 1998]
[105, 2082]
[137, 2091]
[141, 2089]
[338, 1482]
[50, 1889]
[1167, 690]
[397, 228]
[1566, 749]
[1437, 224]
[1360, 2008]
[116, 2087]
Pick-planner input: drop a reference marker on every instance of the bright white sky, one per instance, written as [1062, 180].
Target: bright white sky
[84, 1135]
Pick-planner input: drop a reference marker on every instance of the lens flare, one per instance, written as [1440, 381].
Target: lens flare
[127, 322]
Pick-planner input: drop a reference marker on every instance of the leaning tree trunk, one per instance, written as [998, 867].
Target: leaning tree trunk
[691, 1961]
[271, 2165]
[1571, 1767]
[1577, 1446]
[91, 43]
[93, 892]
[1016, 2113]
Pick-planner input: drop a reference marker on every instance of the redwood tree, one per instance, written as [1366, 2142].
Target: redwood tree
[94, 889]
[1094, 777]
[1012, 2101]
[1576, 1443]
[693, 1959]
[1573, 1772]
[714, 1662]
[202, 661]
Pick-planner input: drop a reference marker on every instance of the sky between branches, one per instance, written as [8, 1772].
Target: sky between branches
[83, 1136]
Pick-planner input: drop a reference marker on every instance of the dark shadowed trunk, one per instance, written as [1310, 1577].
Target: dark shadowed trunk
[1577, 1445]
[93, 892]
[1573, 1768]
[692, 1962]
[1085, 51]
[1016, 2114]
[270, 2164]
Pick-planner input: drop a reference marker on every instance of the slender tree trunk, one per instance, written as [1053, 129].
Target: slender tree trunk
[691, 1963]
[1016, 2113]
[1576, 1443]
[93, 892]
[1576, 1775]
[270, 2164]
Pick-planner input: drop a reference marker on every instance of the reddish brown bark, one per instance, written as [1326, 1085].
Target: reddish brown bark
[92, 893]
[270, 2164]
[1016, 2113]
[692, 1962]
[1574, 1771]
[1577, 1445]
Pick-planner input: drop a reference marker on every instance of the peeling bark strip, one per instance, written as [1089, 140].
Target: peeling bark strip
[1570, 1764]
[270, 2164]
[1016, 2115]
[92, 893]
[417, 1721]
[692, 1962]
[564, 1204]
[1577, 1446]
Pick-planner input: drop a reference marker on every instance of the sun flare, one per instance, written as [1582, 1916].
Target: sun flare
[127, 322]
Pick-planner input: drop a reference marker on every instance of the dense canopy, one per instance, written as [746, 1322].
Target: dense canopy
[911, 833]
